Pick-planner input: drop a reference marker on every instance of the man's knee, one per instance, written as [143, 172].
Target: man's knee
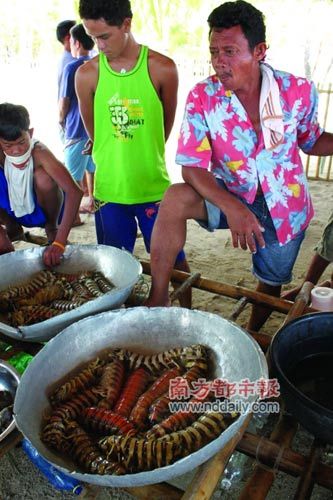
[182, 201]
[43, 182]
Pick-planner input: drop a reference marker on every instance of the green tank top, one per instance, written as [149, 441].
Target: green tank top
[129, 139]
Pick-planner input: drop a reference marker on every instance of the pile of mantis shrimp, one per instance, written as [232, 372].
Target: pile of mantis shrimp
[113, 416]
[49, 293]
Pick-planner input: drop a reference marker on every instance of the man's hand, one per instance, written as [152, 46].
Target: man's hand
[52, 255]
[245, 229]
[88, 147]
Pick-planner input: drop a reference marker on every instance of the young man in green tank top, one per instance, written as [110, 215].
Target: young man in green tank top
[127, 97]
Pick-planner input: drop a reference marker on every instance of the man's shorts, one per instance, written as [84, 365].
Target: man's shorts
[273, 264]
[325, 245]
[76, 162]
[35, 219]
[117, 224]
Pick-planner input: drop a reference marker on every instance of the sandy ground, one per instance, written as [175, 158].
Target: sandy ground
[213, 256]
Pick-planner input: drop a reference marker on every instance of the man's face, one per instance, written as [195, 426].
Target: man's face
[18, 147]
[111, 40]
[233, 61]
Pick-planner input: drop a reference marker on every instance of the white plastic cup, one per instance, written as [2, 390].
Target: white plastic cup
[322, 298]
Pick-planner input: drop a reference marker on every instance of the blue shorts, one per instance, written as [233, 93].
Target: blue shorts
[273, 264]
[35, 219]
[117, 224]
[76, 162]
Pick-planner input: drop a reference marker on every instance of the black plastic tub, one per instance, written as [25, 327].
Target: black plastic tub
[301, 356]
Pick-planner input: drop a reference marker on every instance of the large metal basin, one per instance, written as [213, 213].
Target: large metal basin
[237, 356]
[118, 265]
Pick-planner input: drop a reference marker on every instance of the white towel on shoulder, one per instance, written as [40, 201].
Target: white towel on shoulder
[20, 185]
[271, 116]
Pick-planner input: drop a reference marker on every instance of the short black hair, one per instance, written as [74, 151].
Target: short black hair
[63, 29]
[79, 33]
[114, 12]
[14, 119]
[243, 14]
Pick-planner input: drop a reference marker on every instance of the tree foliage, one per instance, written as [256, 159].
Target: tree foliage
[299, 32]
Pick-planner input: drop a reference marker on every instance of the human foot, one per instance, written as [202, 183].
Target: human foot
[14, 231]
[155, 302]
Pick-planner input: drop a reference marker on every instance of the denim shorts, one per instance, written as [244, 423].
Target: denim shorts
[273, 264]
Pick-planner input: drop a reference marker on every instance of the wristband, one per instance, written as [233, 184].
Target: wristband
[58, 244]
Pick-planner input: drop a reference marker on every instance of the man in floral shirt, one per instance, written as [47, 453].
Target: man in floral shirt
[239, 150]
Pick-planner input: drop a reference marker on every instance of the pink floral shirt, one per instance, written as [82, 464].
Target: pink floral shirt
[217, 134]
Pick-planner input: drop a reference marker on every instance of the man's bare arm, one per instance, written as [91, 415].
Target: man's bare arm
[44, 158]
[323, 145]
[85, 86]
[164, 76]
[64, 104]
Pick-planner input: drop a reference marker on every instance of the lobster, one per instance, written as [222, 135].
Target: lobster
[107, 422]
[87, 454]
[154, 362]
[134, 387]
[86, 377]
[103, 283]
[195, 354]
[43, 296]
[91, 286]
[111, 382]
[81, 290]
[29, 315]
[206, 428]
[27, 289]
[146, 454]
[160, 408]
[68, 305]
[140, 411]
[53, 432]
[177, 420]
[138, 454]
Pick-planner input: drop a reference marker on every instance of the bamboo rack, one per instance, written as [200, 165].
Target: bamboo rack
[271, 454]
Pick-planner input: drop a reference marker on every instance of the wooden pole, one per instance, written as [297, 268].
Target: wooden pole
[261, 480]
[306, 481]
[263, 339]
[240, 306]
[184, 286]
[301, 302]
[290, 462]
[231, 291]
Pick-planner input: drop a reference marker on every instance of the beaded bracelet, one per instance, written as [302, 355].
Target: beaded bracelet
[58, 244]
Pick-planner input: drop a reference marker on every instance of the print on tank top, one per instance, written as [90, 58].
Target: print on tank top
[126, 116]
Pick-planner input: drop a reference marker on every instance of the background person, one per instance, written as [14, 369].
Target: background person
[63, 36]
[75, 134]
[127, 97]
[322, 258]
[32, 183]
[239, 149]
